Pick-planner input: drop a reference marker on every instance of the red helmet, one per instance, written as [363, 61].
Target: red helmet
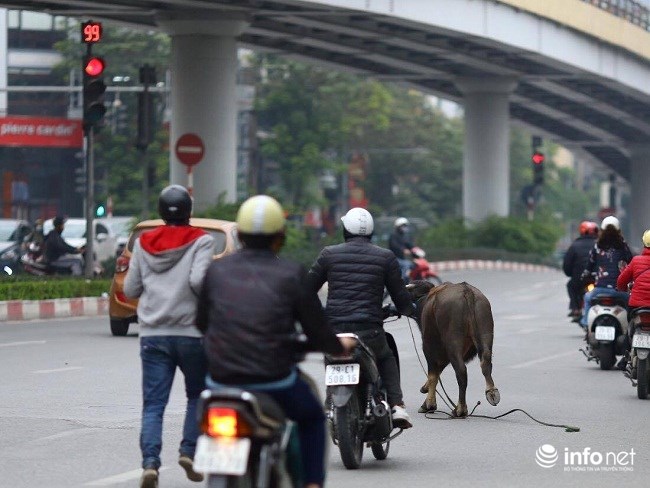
[588, 228]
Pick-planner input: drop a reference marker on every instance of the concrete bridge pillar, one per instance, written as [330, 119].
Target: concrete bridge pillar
[204, 101]
[639, 194]
[486, 164]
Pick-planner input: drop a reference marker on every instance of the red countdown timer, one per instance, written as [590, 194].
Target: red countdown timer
[91, 32]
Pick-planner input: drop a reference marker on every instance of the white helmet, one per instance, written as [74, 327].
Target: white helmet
[260, 215]
[358, 222]
[611, 220]
[401, 221]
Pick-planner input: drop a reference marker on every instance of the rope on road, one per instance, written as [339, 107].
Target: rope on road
[449, 416]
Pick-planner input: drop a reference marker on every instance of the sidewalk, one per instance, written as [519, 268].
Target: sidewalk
[94, 306]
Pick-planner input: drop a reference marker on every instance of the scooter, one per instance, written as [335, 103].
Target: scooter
[606, 329]
[423, 269]
[639, 363]
[246, 441]
[357, 409]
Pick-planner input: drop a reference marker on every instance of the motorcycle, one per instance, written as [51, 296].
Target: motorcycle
[357, 409]
[639, 362]
[246, 440]
[422, 269]
[33, 262]
[606, 329]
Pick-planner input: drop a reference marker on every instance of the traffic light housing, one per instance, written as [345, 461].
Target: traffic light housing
[538, 167]
[93, 91]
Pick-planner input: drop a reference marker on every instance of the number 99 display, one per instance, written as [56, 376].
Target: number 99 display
[91, 32]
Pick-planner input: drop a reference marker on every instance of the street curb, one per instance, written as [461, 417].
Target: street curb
[488, 265]
[55, 308]
[95, 306]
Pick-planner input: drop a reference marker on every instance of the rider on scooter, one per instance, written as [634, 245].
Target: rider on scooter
[57, 251]
[575, 261]
[637, 273]
[249, 304]
[399, 242]
[606, 259]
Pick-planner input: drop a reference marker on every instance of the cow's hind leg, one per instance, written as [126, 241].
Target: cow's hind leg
[430, 404]
[491, 392]
[461, 377]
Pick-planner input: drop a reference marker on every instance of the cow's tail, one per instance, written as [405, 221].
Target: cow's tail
[468, 296]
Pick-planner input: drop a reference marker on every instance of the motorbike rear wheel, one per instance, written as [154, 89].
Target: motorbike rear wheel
[379, 450]
[223, 481]
[119, 327]
[347, 421]
[642, 379]
[607, 356]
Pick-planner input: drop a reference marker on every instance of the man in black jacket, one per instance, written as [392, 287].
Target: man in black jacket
[57, 250]
[357, 272]
[399, 242]
[247, 310]
[575, 261]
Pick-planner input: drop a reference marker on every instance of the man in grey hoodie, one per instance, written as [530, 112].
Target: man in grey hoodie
[166, 273]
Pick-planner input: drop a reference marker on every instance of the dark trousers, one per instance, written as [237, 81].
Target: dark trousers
[375, 339]
[576, 293]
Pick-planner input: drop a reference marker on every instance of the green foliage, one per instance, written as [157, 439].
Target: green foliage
[222, 210]
[511, 234]
[24, 287]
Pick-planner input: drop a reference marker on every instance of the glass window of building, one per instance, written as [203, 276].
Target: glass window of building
[36, 21]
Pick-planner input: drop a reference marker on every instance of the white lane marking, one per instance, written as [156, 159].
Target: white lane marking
[522, 316]
[525, 331]
[119, 478]
[542, 360]
[57, 370]
[23, 343]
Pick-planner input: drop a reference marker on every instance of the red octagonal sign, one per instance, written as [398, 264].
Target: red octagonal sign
[189, 149]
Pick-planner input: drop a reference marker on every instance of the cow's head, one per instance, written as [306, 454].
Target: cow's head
[419, 289]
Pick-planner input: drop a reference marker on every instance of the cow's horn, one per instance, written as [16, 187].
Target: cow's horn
[410, 286]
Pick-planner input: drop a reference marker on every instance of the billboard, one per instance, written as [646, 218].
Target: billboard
[19, 131]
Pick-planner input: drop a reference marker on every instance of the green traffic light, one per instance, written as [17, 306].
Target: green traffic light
[100, 211]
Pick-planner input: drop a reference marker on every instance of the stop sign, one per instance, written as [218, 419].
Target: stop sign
[189, 149]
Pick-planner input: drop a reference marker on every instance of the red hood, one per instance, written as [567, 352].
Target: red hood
[169, 237]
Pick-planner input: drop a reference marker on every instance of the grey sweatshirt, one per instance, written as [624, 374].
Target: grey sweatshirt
[166, 273]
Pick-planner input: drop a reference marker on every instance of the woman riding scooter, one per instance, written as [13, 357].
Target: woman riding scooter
[606, 259]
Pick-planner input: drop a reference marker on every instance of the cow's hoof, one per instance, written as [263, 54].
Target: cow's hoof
[460, 411]
[424, 409]
[493, 396]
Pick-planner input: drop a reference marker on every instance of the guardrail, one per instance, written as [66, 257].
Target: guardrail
[629, 10]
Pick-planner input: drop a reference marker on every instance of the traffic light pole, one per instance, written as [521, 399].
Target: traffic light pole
[90, 194]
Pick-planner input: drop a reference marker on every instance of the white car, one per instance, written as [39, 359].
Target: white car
[74, 233]
[121, 227]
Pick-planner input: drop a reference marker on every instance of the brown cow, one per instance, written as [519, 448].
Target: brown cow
[456, 324]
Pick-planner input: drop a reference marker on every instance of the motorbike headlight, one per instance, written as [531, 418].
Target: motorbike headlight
[10, 255]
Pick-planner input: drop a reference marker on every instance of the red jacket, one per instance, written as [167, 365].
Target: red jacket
[638, 271]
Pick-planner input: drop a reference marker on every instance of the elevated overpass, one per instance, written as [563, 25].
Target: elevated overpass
[575, 71]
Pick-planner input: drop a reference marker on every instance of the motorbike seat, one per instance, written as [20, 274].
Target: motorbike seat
[608, 299]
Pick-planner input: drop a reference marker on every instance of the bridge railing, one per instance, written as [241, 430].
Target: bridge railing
[630, 10]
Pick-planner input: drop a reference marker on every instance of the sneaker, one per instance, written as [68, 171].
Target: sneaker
[149, 478]
[401, 419]
[186, 463]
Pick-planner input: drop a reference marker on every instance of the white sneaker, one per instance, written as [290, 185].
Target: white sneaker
[401, 419]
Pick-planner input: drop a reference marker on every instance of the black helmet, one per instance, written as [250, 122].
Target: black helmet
[175, 205]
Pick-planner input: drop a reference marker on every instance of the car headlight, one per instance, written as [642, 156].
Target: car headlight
[10, 255]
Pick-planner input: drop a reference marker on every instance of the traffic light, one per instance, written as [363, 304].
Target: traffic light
[100, 210]
[538, 168]
[93, 91]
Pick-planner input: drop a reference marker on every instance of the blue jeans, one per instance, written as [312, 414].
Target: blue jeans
[587, 302]
[160, 356]
[300, 404]
[405, 266]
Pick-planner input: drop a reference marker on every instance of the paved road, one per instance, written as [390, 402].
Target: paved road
[70, 402]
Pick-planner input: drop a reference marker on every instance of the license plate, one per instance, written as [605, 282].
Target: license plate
[219, 455]
[641, 341]
[342, 374]
[605, 333]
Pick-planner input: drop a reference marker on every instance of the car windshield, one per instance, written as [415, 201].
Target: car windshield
[8, 231]
[218, 235]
